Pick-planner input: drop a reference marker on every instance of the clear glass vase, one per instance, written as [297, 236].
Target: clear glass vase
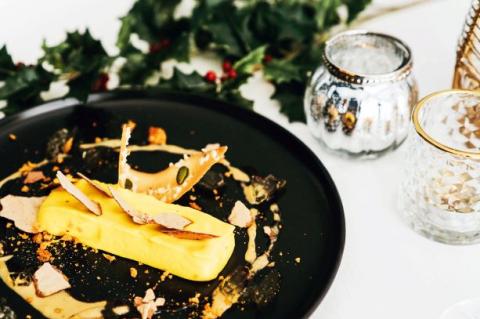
[440, 196]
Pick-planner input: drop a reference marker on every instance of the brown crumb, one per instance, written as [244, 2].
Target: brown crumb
[195, 206]
[34, 176]
[25, 188]
[164, 275]
[67, 147]
[111, 258]
[12, 137]
[27, 167]
[157, 135]
[68, 237]
[195, 299]
[23, 236]
[469, 144]
[133, 272]
[131, 124]
[43, 254]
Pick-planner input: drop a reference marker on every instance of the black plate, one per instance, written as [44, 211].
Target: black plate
[313, 220]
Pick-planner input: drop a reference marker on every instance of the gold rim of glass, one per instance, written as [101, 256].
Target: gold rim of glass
[431, 140]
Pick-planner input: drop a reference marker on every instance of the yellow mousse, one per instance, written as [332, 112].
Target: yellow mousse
[115, 232]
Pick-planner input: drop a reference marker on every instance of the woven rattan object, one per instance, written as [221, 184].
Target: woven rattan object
[467, 66]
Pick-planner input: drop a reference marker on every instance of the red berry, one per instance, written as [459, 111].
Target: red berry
[226, 66]
[100, 85]
[267, 58]
[155, 47]
[211, 76]
[232, 74]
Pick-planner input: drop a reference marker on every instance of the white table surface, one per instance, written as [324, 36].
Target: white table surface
[387, 271]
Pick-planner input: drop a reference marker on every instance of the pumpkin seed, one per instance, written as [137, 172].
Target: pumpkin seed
[182, 175]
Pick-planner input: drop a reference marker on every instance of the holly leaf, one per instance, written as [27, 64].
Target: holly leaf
[168, 38]
[151, 20]
[82, 58]
[192, 82]
[250, 62]
[282, 71]
[290, 97]
[355, 7]
[327, 11]
[137, 68]
[22, 89]
[80, 52]
[223, 27]
[283, 23]
[195, 83]
[7, 67]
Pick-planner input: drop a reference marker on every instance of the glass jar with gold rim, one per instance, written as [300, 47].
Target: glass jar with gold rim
[440, 196]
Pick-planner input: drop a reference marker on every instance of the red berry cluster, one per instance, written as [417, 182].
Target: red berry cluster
[160, 45]
[229, 73]
[100, 85]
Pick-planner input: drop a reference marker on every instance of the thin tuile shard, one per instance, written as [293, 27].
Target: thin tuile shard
[22, 211]
[92, 206]
[170, 224]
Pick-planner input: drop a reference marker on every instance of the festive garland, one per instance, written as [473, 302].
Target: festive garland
[282, 38]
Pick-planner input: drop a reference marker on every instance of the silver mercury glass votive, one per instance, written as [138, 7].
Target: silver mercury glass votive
[359, 100]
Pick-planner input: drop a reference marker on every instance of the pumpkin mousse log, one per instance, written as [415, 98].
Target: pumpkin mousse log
[199, 251]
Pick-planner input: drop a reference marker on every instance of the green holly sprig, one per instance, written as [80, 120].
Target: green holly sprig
[282, 38]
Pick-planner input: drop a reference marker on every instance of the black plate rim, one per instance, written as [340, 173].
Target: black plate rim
[61, 103]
